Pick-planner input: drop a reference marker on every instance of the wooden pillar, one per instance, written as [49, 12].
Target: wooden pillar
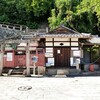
[99, 54]
[1, 58]
[28, 59]
[99, 49]
[90, 54]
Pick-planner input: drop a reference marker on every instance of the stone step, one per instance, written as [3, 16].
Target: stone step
[14, 71]
[51, 72]
[60, 76]
[62, 71]
[74, 71]
[57, 72]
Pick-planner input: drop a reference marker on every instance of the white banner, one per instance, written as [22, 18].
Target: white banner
[76, 53]
[51, 61]
[9, 56]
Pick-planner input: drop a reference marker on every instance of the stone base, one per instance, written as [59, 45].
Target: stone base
[41, 70]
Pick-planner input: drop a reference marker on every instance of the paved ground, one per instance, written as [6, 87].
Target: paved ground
[79, 88]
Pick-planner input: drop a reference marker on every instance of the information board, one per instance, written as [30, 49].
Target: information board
[34, 59]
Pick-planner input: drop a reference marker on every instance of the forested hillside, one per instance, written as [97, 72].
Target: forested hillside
[80, 15]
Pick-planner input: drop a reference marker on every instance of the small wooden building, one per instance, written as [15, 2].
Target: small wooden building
[63, 47]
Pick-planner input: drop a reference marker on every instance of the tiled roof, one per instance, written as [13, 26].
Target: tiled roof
[65, 35]
[63, 31]
[95, 40]
[8, 33]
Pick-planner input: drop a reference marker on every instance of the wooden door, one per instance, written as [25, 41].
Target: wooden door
[62, 57]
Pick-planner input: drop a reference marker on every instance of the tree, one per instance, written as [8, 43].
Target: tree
[17, 12]
[90, 8]
[41, 7]
[80, 15]
[63, 13]
[3, 16]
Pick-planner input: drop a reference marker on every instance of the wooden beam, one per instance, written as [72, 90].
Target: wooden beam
[14, 41]
[1, 58]
[28, 59]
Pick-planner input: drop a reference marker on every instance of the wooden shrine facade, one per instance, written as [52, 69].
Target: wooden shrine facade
[63, 47]
[59, 48]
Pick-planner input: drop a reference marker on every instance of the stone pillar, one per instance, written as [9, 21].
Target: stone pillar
[28, 59]
[0, 25]
[13, 27]
[1, 58]
[20, 27]
[7, 26]
[26, 29]
[77, 65]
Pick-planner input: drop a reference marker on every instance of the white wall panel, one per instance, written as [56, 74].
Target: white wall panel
[61, 39]
[74, 43]
[49, 44]
[64, 43]
[48, 39]
[74, 39]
